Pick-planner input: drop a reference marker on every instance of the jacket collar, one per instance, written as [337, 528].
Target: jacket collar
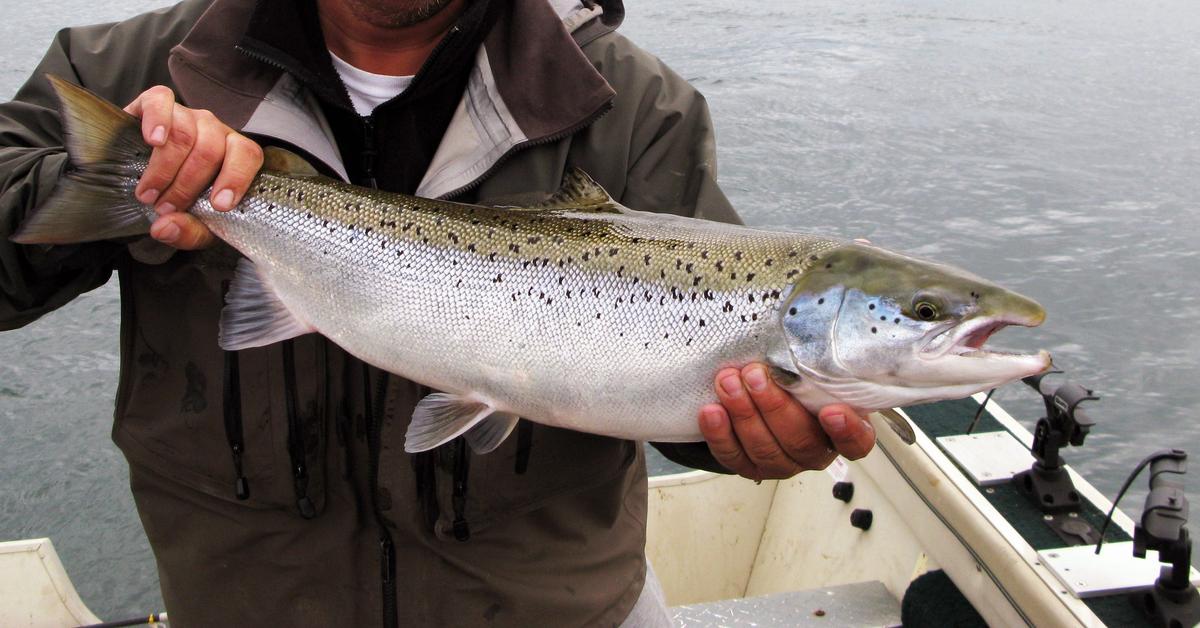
[531, 83]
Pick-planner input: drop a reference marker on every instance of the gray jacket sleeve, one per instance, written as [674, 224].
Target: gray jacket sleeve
[119, 61]
[37, 279]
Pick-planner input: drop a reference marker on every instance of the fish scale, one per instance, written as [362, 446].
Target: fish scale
[577, 313]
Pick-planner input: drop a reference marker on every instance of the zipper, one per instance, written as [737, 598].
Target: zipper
[368, 151]
[231, 409]
[295, 439]
[373, 402]
[547, 139]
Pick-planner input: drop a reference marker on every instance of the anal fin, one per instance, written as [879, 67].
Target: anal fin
[253, 315]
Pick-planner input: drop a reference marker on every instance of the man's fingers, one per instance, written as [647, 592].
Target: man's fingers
[243, 159]
[798, 433]
[852, 436]
[200, 166]
[723, 443]
[155, 107]
[759, 443]
[166, 160]
[182, 231]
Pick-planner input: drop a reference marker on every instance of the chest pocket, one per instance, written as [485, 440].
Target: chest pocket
[232, 426]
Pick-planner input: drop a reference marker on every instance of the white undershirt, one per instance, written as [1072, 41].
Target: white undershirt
[368, 90]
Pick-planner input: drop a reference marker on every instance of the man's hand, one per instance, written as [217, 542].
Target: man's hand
[192, 149]
[759, 431]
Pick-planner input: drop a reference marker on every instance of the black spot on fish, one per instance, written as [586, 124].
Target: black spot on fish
[829, 266]
[897, 320]
[821, 301]
[514, 248]
[533, 239]
[612, 252]
[696, 280]
[770, 261]
[646, 260]
[873, 330]
[733, 275]
[702, 323]
[720, 265]
[737, 256]
[685, 318]
[871, 306]
[749, 277]
[689, 268]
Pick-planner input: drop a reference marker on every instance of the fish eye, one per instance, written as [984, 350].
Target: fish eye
[925, 310]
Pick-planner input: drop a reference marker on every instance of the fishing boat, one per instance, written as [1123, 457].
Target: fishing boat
[974, 523]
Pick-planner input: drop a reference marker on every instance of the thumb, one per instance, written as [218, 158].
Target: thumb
[182, 231]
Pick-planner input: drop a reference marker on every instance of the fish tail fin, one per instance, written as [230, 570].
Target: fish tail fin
[94, 199]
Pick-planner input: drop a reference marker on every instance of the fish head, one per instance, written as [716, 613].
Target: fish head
[877, 329]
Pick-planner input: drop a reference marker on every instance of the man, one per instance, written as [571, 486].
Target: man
[272, 482]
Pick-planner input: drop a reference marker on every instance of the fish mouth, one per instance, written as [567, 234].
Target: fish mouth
[966, 340]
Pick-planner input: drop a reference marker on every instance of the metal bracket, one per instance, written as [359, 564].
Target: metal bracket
[1114, 570]
[988, 458]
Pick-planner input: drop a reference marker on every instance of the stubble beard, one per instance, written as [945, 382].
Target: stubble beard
[396, 13]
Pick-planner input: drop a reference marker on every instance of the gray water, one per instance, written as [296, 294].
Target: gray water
[1051, 146]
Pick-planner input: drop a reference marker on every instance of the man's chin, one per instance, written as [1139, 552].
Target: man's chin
[396, 13]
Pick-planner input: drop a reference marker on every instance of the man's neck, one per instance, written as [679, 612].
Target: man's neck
[391, 50]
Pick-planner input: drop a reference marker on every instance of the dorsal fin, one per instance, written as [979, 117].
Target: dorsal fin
[580, 192]
[285, 161]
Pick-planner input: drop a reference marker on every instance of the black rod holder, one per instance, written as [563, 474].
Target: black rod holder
[1065, 424]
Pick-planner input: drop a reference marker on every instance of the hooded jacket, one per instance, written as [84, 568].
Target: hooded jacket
[272, 482]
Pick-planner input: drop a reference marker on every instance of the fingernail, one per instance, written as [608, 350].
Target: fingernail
[167, 233]
[165, 208]
[731, 385]
[712, 419]
[224, 199]
[835, 423]
[149, 196]
[158, 134]
[756, 379]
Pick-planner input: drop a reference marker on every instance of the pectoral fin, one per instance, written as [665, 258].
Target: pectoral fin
[253, 315]
[899, 425]
[490, 432]
[441, 417]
